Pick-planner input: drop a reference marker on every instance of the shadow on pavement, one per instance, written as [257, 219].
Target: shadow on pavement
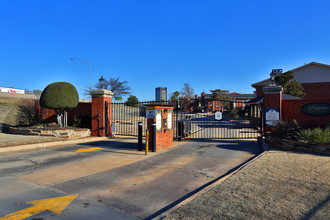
[112, 145]
[251, 146]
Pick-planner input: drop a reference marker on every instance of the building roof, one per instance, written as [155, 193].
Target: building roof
[267, 81]
[256, 100]
[288, 97]
[284, 97]
[242, 96]
[235, 95]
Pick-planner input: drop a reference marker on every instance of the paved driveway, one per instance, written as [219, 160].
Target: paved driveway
[114, 179]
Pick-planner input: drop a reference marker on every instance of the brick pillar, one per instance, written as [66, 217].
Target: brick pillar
[272, 104]
[164, 136]
[99, 97]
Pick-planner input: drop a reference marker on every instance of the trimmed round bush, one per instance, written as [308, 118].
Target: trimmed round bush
[59, 95]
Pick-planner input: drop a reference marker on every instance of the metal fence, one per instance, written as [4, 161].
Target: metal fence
[239, 120]
[125, 117]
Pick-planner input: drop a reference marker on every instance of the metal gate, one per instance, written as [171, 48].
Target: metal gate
[194, 119]
[220, 119]
[125, 117]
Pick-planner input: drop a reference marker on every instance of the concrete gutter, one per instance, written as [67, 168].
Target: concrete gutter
[28, 147]
[264, 145]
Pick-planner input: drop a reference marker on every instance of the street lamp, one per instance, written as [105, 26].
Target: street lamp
[90, 71]
[273, 74]
[102, 82]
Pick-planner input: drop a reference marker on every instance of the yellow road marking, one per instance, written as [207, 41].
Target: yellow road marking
[56, 205]
[88, 150]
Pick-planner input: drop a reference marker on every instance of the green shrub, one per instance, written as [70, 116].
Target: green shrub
[316, 135]
[286, 130]
[59, 95]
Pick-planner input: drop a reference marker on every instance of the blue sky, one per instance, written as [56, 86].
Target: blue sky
[211, 44]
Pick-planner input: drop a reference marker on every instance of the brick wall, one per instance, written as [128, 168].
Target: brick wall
[164, 138]
[274, 101]
[259, 91]
[83, 109]
[98, 123]
[292, 110]
[320, 91]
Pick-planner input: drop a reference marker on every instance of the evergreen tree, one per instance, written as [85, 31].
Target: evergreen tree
[60, 96]
[290, 86]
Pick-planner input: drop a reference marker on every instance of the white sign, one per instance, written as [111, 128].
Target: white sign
[169, 120]
[272, 116]
[11, 90]
[150, 114]
[158, 121]
[218, 115]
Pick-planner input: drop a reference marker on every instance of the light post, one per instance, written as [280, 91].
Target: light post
[102, 82]
[273, 74]
[90, 72]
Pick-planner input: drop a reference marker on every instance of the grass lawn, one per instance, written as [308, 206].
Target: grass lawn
[8, 112]
[278, 185]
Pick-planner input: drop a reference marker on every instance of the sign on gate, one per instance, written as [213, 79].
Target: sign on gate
[218, 115]
[272, 116]
[151, 114]
[158, 120]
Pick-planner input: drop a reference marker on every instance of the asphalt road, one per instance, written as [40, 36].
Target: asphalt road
[111, 179]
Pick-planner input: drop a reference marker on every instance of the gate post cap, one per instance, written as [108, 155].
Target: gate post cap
[272, 89]
[101, 92]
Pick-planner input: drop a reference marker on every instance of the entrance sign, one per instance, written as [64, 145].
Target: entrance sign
[118, 98]
[316, 108]
[158, 121]
[272, 116]
[218, 115]
[169, 120]
[150, 114]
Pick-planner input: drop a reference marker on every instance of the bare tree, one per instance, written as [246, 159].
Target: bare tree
[37, 93]
[116, 86]
[187, 92]
[29, 112]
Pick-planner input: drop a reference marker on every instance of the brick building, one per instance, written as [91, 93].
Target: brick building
[314, 77]
[238, 100]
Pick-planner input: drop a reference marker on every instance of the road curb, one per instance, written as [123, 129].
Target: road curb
[265, 146]
[203, 189]
[28, 147]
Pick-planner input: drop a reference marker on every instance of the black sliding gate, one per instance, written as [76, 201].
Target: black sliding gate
[197, 120]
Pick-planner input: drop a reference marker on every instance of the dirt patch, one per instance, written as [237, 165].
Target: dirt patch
[279, 185]
[7, 140]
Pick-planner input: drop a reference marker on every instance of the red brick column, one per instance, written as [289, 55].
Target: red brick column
[99, 97]
[164, 137]
[272, 100]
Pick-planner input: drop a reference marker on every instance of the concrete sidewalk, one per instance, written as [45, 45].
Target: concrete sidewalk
[14, 142]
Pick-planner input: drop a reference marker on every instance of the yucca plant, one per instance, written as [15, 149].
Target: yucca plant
[316, 135]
